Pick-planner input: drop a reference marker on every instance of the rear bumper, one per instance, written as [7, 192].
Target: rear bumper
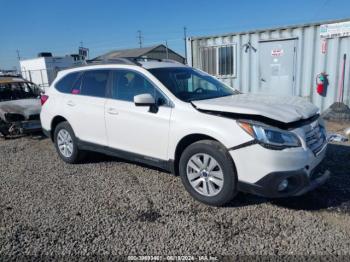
[299, 183]
[30, 126]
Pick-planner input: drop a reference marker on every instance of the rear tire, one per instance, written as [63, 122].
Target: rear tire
[208, 173]
[66, 144]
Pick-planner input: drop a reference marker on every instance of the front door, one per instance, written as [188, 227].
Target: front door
[136, 129]
[277, 60]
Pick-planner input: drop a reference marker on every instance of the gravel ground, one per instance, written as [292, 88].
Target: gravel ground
[107, 206]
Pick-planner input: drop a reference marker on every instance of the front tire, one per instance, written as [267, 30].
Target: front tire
[208, 173]
[66, 143]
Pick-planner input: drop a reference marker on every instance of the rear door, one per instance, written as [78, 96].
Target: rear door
[84, 106]
[277, 60]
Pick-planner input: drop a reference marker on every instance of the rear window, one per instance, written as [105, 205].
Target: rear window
[65, 85]
[95, 83]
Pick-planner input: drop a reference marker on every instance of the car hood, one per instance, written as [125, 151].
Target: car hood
[24, 107]
[283, 109]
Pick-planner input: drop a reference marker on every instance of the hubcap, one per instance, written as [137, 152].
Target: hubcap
[65, 143]
[205, 174]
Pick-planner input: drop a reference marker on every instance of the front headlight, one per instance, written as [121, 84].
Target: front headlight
[270, 137]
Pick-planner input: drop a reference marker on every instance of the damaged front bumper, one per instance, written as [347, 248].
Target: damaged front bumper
[298, 183]
[20, 116]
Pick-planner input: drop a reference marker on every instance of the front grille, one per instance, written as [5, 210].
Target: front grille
[315, 138]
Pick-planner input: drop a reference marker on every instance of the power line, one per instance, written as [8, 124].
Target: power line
[140, 37]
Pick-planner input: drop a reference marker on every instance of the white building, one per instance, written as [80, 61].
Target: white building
[43, 69]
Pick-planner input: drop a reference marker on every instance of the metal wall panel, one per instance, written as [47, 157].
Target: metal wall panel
[310, 60]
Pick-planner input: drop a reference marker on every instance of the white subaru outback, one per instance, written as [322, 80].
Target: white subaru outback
[182, 120]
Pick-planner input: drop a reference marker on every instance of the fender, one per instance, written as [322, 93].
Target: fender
[186, 123]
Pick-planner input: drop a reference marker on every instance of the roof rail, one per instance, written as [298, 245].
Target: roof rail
[122, 60]
[119, 60]
[149, 59]
[170, 61]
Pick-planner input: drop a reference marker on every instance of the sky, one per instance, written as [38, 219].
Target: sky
[33, 26]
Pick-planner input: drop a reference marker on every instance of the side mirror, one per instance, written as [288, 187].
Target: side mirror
[144, 100]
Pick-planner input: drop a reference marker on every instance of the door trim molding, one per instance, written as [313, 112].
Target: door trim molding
[166, 165]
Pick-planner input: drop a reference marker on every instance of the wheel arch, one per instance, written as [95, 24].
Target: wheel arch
[55, 121]
[184, 143]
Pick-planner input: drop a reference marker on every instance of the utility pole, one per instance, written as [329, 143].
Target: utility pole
[167, 51]
[18, 55]
[140, 37]
[185, 39]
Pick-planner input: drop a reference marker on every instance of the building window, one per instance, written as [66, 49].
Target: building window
[209, 60]
[226, 60]
[219, 60]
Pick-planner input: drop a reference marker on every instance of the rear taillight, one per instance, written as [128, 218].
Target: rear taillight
[43, 99]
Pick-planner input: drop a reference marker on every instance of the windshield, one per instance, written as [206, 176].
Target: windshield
[17, 90]
[189, 84]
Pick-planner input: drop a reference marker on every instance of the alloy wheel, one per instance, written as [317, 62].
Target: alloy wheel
[205, 174]
[65, 143]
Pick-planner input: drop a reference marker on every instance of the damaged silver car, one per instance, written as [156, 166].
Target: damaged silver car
[19, 107]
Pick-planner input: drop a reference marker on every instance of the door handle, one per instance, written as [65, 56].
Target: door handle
[112, 111]
[70, 103]
[263, 80]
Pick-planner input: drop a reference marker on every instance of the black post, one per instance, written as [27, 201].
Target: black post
[343, 80]
[185, 39]
[139, 32]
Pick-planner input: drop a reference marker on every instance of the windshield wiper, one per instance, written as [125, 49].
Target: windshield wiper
[205, 98]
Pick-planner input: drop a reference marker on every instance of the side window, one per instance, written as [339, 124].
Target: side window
[94, 83]
[65, 85]
[127, 84]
